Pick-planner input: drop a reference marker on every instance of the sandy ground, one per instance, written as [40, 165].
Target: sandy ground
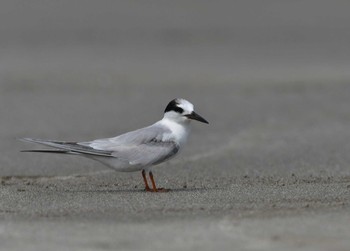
[270, 172]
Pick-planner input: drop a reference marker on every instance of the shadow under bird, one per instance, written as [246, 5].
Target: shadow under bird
[137, 150]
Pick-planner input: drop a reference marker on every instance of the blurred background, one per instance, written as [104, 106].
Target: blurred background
[272, 77]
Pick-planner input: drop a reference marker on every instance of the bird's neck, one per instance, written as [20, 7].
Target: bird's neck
[180, 130]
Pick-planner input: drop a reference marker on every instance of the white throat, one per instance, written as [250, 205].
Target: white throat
[179, 130]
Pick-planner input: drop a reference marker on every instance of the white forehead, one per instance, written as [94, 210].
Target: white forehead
[184, 104]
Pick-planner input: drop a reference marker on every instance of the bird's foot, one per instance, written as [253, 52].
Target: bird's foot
[157, 190]
[163, 190]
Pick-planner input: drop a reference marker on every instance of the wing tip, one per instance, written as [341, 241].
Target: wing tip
[44, 151]
[26, 139]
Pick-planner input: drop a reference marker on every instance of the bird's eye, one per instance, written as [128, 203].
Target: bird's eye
[178, 109]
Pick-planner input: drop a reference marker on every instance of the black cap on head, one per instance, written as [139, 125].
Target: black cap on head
[173, 106]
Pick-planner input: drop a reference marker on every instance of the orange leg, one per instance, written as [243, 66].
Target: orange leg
[155, 189]
[146, 183]
[153, 183]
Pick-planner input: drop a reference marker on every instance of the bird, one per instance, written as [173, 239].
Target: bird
[137, 150]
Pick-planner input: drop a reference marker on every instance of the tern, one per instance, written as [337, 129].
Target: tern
[137, 150]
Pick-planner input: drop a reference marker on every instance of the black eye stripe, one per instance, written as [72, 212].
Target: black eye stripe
[173, 106]
[178, 109]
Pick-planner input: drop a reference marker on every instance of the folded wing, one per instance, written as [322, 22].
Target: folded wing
[151, 153]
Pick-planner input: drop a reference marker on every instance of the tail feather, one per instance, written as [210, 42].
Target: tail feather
[49, 143]
[68, 147]
[45, 142]
[44, 151]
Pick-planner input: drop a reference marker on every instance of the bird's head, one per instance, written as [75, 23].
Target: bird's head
[180, 110]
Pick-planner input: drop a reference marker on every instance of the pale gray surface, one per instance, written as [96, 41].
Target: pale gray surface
[270, 172]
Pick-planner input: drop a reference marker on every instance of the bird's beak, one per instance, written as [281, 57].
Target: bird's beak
[197, 117]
